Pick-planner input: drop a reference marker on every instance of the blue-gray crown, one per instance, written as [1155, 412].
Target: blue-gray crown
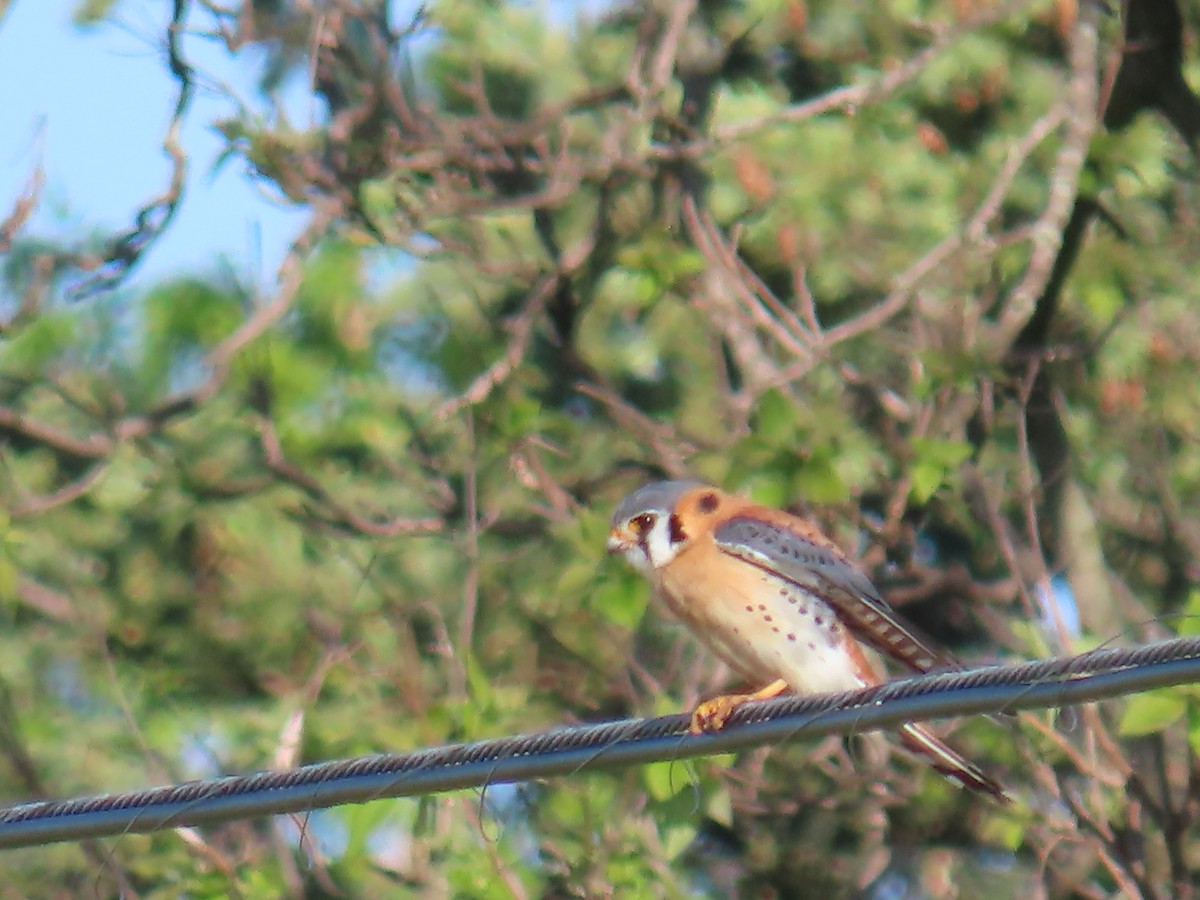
[659, 496]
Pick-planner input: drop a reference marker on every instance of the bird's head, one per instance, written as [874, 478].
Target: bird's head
[647, 529]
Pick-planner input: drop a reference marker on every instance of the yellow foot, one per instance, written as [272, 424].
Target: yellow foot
[711, 715]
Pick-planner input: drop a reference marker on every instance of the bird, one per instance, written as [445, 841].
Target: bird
[771, 595]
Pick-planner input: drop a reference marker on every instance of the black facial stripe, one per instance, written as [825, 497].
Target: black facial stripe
[643, 541]
[676, 532]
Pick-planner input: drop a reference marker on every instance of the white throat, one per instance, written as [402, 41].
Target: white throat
[657, 549]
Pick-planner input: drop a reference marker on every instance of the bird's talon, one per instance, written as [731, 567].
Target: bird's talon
[711, 715]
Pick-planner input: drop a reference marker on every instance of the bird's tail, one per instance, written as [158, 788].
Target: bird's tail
[947, 761]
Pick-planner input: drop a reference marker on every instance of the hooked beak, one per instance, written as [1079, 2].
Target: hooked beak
[619, 541]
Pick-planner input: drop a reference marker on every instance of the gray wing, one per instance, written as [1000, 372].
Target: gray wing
[823, 571]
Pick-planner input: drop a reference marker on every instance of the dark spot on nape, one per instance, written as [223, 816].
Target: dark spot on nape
[812, 646]
[818, 620]
[775, 629]
[708, 502]
[791, 637]
[676, 532]
[766, 618]
[762, 607]
[749, 607]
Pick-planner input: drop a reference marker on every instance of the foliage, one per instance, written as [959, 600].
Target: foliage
[878, 263]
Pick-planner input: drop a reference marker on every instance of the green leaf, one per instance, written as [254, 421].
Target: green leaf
[775, 419]
[519, 417]
[819, 480]
[718, 806]
[1194, 728]
[45, 338]
[677, 839]
[767, 491]
[665, 779]
[1152, 712]
[933, 462]
[1004, 831]
[1189, 620]
[8, 579]
[621, 600]
[190, 311]
[123, 485]
[479, 682]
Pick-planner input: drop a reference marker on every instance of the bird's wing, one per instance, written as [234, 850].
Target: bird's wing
[819, 568]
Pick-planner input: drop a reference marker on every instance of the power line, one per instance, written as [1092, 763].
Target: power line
[1063, 681]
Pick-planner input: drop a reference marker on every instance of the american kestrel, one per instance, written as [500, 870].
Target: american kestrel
[777, 600]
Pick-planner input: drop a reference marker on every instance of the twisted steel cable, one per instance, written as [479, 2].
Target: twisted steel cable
[1062, 681]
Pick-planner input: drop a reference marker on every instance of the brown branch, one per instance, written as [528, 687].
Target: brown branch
[520, 329]
[23, 208]
[153, 219]
[470, 578]
[761, 308]
[15, 424]
[1129, 874]
[850, 97]
[1151, 71]
[100, 444]
[665, 61]
[333, 511]
[36, 505]
[14, 749]
[1080, 116]
[670, 448]
[48, 602]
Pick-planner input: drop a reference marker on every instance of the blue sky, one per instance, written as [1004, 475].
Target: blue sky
[92, 105]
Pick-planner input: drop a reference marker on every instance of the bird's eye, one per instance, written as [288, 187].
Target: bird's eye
[643, 523]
